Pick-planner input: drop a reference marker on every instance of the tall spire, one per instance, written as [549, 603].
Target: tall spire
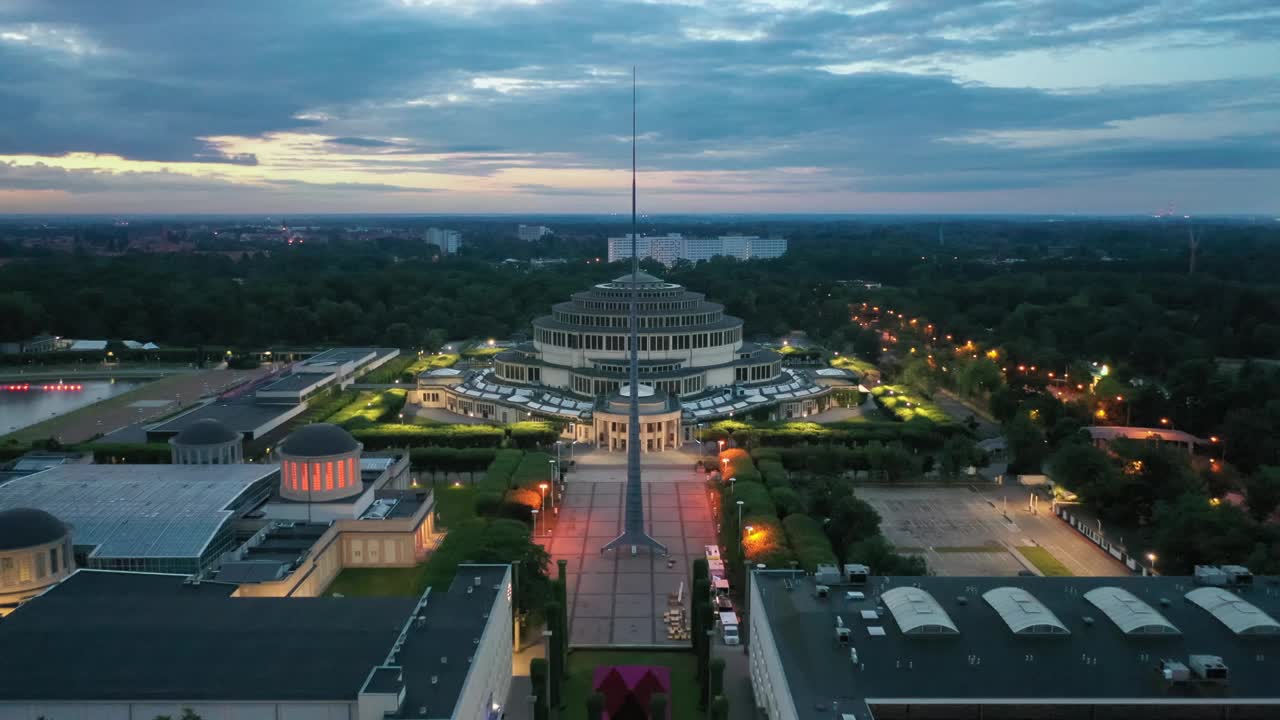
[633, 533]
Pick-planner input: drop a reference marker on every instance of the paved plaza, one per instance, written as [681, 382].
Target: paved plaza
[618, 598]
[963, 531]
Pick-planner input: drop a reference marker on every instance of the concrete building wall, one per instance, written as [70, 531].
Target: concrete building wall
[768, 681]
[489, 678]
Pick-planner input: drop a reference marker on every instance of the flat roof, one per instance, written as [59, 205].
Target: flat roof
[454, 621]
[242, 415]
[138, 511]
[290, 383]
[1112, 432]
[138, 636]
[986, 661]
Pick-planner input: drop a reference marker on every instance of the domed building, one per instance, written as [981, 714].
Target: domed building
[35, 553]
[207, 442]
[319, 462]
[694, 368]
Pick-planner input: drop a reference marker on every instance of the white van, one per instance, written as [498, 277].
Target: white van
[729, 628]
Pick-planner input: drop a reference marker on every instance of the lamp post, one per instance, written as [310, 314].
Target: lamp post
[543, 487]
[535, 522]
[700, 448]
[725, 462]
[1151, 557]
[742, 536]
[732, 480]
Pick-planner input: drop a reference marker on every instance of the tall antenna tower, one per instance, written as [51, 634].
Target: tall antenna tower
[633, 533]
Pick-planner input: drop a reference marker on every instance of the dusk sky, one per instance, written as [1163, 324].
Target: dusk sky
[509, 106]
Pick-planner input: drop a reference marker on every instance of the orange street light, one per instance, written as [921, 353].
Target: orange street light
[1213, 438]
[1164, 421]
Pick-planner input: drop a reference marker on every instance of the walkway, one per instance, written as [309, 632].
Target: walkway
[620, 598]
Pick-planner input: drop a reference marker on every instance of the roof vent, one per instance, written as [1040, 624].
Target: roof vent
[1164, 602]
[1209, 668]
[477, 581]
[962, 600]
[1087, 619]
[444, 659]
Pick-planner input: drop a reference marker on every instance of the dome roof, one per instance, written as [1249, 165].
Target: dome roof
[641, 278]
[318, 440]
[28, 527]
[206, 432]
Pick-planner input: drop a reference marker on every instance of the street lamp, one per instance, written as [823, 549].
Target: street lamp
[543, 487]
[721, 445]
[742, 536]
[535, 522]
[1151, 557]
[732, 480]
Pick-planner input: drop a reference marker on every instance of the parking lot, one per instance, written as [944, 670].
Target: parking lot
[962, 531]
[617, 598]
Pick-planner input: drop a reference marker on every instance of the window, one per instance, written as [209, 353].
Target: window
[53, 559]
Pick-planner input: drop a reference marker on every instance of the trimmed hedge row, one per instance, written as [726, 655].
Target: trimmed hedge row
[458, 436]
[808, 541]
[369, 407]
[130, 453]
[446, 459]
[529, 434]
[919, 434]
[775, 476]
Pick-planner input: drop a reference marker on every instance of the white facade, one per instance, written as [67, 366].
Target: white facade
[529, 233]
[447, 240]
[768, 679]
[667, 249]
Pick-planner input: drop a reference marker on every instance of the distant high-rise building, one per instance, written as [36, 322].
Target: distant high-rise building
[447, 240]
[529, 233]
[667, 249]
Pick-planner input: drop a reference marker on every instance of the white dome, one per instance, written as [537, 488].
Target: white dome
[643, 391]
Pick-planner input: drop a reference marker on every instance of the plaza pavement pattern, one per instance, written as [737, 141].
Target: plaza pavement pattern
[617, 598]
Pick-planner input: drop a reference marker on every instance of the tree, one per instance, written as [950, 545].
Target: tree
[595, 706]
[720, 708]
[538, 678]
[658, 706]
[1262, 492]
[717, 677]
[852, 519]
[958, 453]
[1027, 447]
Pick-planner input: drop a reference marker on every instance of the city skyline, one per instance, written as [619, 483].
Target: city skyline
[510, 106]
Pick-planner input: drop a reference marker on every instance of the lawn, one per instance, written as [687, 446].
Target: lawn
[683, 699]
[428, 362]
[858, 365]
[481, 351]
[390, 371]
[905, 405]
[368, 408]
[437, 571]
[455, 503]
[1044, 561]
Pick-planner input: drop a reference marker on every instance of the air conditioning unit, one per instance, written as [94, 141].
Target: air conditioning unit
[1174, 672]
[1209, 668]
[1238, 574]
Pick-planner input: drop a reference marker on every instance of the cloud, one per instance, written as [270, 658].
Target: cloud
[882, 96]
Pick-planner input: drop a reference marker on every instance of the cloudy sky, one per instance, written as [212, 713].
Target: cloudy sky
[264, 106]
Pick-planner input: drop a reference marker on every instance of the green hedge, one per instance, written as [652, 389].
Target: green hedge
[775, 476]
[322, 406]
[920, 434]
[529, 434]
[498, 476]
[129, 453]
[457, 436]
[808, 541]
[447, 459]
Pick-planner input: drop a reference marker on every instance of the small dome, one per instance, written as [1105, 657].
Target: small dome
[206, 432]
[318, 440]
[28, 527]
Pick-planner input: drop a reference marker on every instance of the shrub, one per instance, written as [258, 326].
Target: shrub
[775, 476]
[488, 504]
[529, 434]
[444, 459]
[786, 500]
[527, 497]
[499, 473]
[808, 541]
[132, 453]
[398, 435]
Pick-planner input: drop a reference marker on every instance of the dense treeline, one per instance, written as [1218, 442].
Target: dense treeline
[398, 292]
